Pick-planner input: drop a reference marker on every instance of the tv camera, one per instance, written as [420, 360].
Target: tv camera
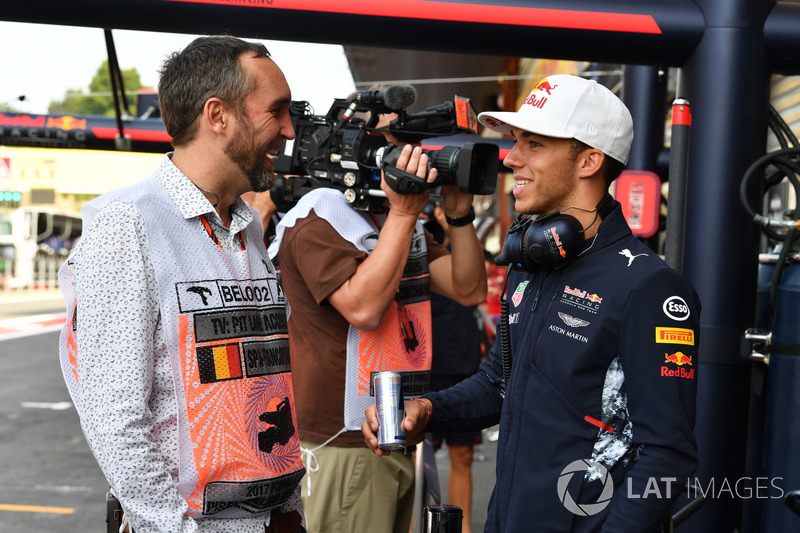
[345, 149]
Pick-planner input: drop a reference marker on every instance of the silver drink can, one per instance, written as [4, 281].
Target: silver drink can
[390, 408]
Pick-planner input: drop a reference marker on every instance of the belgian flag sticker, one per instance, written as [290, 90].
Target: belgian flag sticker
[219, 363]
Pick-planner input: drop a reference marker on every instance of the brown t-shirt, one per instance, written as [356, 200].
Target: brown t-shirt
[315, 261]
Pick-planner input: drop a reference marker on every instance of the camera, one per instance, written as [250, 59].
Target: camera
[473, 167]
[344, 149]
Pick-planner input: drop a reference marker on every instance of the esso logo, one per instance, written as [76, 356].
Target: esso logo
[675, 307]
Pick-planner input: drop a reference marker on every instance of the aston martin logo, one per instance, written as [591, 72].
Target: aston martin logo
[571, 321]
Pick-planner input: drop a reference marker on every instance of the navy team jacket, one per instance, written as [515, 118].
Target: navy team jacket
[604, 372]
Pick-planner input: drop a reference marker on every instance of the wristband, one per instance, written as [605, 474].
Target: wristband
[461, 221]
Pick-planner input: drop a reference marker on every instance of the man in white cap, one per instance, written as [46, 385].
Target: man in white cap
[593, 379]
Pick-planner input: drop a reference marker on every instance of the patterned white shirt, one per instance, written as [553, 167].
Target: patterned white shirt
[123, 354]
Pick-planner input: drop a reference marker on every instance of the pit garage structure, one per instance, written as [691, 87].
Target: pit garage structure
[725, 51]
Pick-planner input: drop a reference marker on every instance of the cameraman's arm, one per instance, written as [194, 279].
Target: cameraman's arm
[460, 276]
[366, 295]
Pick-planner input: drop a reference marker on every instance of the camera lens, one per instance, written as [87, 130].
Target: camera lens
[473, 167]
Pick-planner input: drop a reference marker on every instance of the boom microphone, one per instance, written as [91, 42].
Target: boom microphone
[394, 98]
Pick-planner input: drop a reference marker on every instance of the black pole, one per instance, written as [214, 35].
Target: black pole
[645, 95]
[721, 248]
[117, 90]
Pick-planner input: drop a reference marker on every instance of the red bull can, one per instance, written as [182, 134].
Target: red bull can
[390, 408]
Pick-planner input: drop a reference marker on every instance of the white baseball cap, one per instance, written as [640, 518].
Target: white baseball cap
[571, 107]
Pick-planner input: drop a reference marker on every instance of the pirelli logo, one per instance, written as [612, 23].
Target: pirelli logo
[675, 336]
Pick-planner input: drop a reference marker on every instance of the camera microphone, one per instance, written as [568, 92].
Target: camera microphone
[394, 98]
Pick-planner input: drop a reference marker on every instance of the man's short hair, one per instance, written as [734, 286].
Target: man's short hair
[612, 168]
[208, 67]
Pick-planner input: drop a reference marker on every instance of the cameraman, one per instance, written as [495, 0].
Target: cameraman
[358, 286]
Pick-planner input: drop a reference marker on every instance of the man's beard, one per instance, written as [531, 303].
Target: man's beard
[251, 158]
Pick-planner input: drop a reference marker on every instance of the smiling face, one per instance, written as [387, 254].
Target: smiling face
[546, 172]
[264, 127]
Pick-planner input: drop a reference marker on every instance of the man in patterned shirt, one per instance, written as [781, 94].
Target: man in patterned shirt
[176, 352]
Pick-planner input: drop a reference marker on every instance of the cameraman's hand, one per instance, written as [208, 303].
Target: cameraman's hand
[456, 203]
[414, 161]
[418, 412]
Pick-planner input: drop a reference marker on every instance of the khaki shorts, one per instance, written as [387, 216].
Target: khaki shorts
[354, 490]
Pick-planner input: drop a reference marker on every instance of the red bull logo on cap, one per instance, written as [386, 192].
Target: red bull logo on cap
[680, 359]
[532, 101]
[492, 122]
[544, 89]
[545, 86]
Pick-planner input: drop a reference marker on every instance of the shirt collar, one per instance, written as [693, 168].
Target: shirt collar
[193, 203]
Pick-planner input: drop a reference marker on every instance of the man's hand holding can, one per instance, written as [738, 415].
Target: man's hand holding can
[417, 414]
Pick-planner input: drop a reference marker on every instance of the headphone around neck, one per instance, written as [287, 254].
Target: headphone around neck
[549, 240]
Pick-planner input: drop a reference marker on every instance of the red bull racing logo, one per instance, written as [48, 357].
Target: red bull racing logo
[39, 127]
[556, 240]
[679, 359]
[22, 121]
[543, 86]
[66, 123]
[582, 294]
[581, 299]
